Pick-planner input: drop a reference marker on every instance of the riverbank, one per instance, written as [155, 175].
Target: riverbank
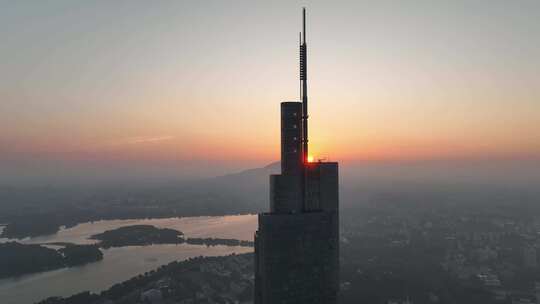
[122, 263]
[19, 259]
[224, 279]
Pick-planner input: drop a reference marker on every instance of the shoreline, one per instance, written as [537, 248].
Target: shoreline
[148, 258]
[64, 227]
[24, 276]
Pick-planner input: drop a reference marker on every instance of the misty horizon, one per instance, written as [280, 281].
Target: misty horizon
[123, 91]
[512, 173]
[159, 152]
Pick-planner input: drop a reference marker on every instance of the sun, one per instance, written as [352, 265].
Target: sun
[310, 158]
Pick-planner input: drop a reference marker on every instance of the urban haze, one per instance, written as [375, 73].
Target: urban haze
[383, 152]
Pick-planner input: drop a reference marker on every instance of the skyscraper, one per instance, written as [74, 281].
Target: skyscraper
[297, 242]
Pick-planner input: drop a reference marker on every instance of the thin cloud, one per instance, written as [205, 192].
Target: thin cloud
[141, 140]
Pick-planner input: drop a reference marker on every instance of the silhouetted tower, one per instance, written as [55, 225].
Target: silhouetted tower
[297, 242]
[303, 80]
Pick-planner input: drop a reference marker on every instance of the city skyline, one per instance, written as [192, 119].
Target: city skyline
[102, 83]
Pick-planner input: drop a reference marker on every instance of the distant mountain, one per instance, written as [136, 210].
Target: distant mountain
[32, 212]
[251, 175]
[246, 191]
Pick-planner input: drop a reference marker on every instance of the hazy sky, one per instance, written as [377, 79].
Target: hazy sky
[177, 85]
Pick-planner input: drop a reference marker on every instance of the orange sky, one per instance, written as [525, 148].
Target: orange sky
[181, 82]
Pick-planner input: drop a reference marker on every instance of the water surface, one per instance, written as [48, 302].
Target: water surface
[120, 264]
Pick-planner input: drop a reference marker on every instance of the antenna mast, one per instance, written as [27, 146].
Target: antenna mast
[303, 80]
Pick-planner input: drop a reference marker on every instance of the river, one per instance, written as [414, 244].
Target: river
[120, 264]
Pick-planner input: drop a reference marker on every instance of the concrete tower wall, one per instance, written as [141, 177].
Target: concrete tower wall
[322, 195]
[297, 243]
[295, 259]
[285, 194]
[322, 186]
[291, 138]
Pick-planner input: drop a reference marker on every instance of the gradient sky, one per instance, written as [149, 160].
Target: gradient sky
[185, 84]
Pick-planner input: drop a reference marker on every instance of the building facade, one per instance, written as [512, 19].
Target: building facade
[297, 242]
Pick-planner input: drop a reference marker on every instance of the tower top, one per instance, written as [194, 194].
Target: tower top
[303, 86]
[304, 24]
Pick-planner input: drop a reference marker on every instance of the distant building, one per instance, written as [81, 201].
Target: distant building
[297, 242]
[489, 279]
[537, 292]
[529, 257]
[523, 299]
[153, 296]
[407, 301]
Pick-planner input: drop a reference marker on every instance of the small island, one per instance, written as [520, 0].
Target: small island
[143, 235]
[138, 235]
[18, 259]
[76, 255]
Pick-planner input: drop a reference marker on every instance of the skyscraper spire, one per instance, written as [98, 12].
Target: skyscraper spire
[303, 80]
[297, 242]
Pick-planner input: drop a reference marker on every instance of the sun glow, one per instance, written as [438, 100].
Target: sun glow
[310, 158]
